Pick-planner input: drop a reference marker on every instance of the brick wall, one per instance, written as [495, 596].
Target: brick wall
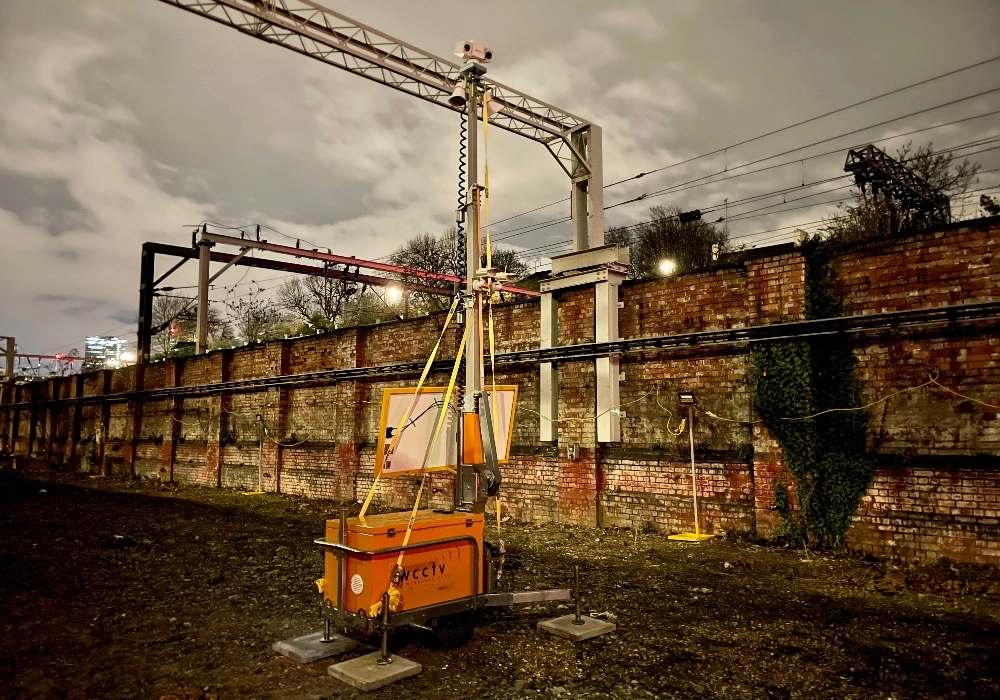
[936, 493]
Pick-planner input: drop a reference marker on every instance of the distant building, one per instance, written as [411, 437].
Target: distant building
[104, 352]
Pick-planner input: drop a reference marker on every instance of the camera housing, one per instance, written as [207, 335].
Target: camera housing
[473, 51]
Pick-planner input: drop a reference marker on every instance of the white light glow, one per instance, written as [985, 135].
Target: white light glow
[667, 267]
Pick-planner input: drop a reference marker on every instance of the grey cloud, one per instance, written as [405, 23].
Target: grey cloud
[43, 202]
[172, 118]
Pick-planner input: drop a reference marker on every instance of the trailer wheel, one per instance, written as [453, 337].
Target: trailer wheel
[453, 631]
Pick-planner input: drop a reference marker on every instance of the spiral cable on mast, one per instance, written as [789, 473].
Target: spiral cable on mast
[463, 154]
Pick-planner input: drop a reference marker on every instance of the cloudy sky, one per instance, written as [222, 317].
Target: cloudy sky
[123, 121]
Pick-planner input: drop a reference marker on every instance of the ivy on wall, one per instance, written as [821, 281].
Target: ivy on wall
[827, 455]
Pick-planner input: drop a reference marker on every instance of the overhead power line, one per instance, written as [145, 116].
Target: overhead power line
[704, 181]
[667, 190]
[770, 133]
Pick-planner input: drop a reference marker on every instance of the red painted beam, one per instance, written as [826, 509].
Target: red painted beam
[345, 260]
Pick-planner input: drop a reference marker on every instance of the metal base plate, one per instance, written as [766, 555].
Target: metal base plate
[311, 647]
[365, 673]
[566, 628]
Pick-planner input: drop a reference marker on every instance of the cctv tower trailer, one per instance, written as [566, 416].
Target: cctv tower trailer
[431, 568]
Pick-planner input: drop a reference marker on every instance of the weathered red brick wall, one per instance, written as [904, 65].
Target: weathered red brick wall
[937, 491]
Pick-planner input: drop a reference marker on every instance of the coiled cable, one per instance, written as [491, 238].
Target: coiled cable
[463, 153]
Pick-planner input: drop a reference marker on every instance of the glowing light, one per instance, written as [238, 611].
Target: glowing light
[394, 294]
[667, 266]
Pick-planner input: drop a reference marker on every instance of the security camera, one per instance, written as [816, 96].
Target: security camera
[473, 51]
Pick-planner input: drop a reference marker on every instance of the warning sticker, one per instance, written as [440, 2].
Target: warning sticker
[357, 585]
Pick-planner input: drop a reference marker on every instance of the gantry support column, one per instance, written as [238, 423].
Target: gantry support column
[606, 330]
[147, 271]
[605, 268]
[587, 193]
[204, 270]
[548, 386]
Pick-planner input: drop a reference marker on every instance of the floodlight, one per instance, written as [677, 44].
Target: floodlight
[686, 398]
[458, 99]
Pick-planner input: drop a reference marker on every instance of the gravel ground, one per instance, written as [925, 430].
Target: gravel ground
[190, 610]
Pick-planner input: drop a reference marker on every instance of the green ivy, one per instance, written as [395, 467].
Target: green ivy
[827, 455]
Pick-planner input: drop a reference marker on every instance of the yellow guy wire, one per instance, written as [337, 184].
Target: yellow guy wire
[487, 96]
[486, 175]
[409, 409]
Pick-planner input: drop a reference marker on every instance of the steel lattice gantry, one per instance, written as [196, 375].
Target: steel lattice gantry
[874, 169]
[328, 36]
[325, 35]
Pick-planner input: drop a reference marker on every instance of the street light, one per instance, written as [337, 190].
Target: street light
[394, 294]
[667, 267]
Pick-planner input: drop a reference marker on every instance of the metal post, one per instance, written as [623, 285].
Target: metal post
[473, 347]
[576, 585]
[204, 269]
[147, 283]
[694, 476]
[466, 481]
[385, 658]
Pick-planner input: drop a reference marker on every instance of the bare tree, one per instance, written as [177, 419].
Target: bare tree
[256, 317]
[178, 317]
[433, 254]
[437, 254]
[689, 246]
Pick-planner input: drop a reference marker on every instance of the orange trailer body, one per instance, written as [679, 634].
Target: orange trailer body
[437, 573]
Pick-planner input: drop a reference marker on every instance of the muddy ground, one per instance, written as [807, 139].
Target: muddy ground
[214, 578]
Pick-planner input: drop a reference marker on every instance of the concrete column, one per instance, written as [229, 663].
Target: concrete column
[606, 330]
[548, 387]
